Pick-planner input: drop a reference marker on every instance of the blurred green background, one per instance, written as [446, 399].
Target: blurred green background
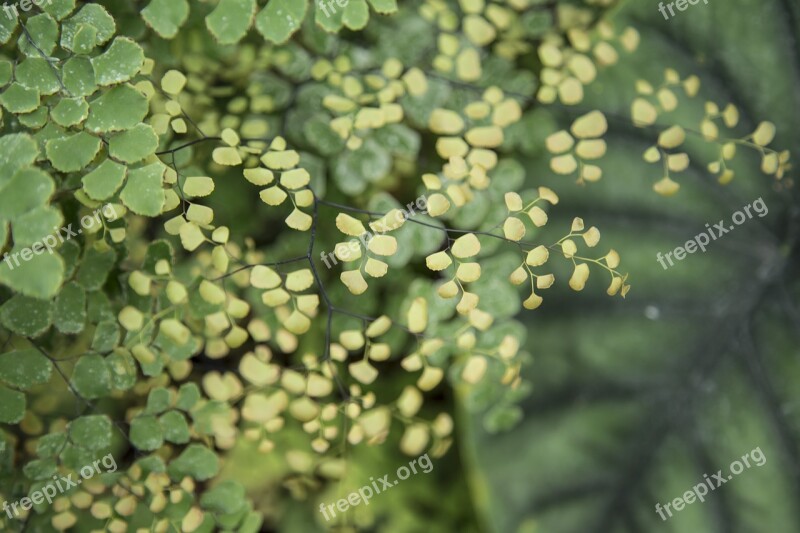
[633, 401]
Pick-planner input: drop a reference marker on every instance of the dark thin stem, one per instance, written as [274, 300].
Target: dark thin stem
[188, 144]
[247, 267]
[47, 58]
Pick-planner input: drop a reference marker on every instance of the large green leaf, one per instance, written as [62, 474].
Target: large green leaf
[74, 152]
[280, 19]
[231, 19]
[93, 15]
[102, 182]
[195, 461]
[166, 16]
[121, 108]
[143, 193]
[29, 188]
[26, 316]
[92, 377]
[36, 73]
[40, 276]
[16, 152]
[92, 432]
[146, 433]
[12, 406]
[134, 145]
[19, 98]
[631, 405]
[36, 225]
[69, 312]
[119, 63]
[22, 369]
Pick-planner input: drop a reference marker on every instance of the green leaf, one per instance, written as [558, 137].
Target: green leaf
[36, 225]
[48, 132]
[320, 135]
[105, 180]
[7, 27]
[370, 162]
[227, 497]
[92, 432]
[24, 369]
[36, 73]
[252, 523]
[230, 20]
[12, 406]
[419, 108]
[28, 189]
[73, 153]
[40, 276]
[95, 267]
[205, 414]
[134, 145]
[502, 418]
[151, 463]
[92, 15]
[106, 336]
[157, 401]
[400, 140]
[19, 99]
[70, 112]
[384, 7]
[123, 369]
[39, 469]
[238, 520]
[26, 316]
[119, 63]
[176, 429]
[537, 23]
[76, 457]
[43, 31]
[143, 193]
[166, 16]
[92, 377]
[196, 461]
[280, 19]
[146, 433]
[175, 351]
[356, 14]
[79, 77]
[188, 396]
[17, 151]
[50, 444]
[58, 9]
[34, 120]
[85, 39]
[69, 315]
[330, 18]
[6, 71]
[121, 108]
[99, 306]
